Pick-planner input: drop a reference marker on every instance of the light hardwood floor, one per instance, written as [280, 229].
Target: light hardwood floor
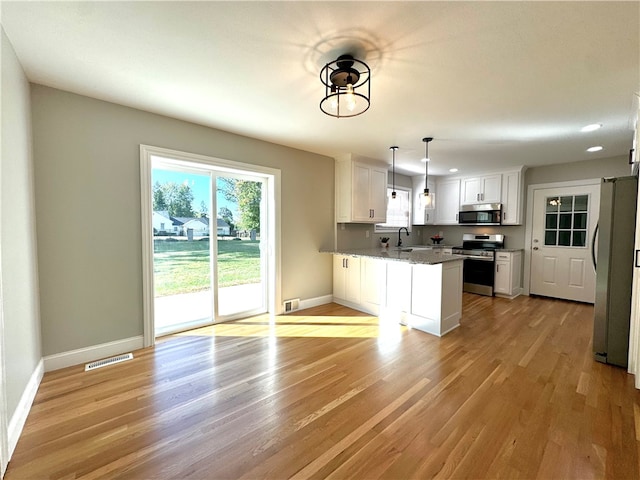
[330, 393]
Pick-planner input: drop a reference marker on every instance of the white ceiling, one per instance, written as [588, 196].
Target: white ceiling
[496, 84]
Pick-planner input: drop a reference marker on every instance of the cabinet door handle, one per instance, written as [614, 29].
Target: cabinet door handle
[504, 216]
[497, 267]
[344, 263]
[346, 260]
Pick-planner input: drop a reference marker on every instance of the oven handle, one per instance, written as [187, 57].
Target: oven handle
[476, 257]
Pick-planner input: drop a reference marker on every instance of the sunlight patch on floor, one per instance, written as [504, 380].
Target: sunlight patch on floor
[388, 332]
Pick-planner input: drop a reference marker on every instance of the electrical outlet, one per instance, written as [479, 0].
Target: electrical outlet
[366, 234]
[342, 226]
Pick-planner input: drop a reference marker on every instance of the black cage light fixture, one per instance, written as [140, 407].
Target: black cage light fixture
[427, 198]
[347, 87]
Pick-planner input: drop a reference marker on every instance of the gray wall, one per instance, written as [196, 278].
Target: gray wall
[20, 309]
[87, 176]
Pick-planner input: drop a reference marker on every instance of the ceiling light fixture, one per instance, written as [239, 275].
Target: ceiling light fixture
[393, 172]
[427, 198]
[591, 128]
[347, 87]
[597, 148]
[453, 170]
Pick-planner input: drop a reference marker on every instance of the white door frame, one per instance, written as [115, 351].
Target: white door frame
[272, 175]
[529, 221]
[4, 420]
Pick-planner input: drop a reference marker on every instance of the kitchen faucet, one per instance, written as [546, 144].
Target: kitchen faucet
[399, 239]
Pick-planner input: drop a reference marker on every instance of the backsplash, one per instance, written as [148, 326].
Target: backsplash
[354, 235]
[513, 234]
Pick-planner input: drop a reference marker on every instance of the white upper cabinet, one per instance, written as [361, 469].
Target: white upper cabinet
[512, 192]
[361, 190]
[421, 215]
[485, 189]
[448, 202]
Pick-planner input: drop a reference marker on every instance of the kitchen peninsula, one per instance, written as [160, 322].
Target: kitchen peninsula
[419, 286]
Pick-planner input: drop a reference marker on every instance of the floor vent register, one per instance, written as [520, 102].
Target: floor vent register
[108, 361]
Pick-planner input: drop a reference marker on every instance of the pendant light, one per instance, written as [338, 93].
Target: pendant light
[393, 172]
[427, 198]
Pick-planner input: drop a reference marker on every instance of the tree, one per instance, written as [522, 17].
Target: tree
[247, 195]
[175, 198]
[227, 215]
[159, 202]
[182, 205]
[204, 210]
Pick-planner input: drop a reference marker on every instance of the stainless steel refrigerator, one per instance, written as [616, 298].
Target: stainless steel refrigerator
[614, 269]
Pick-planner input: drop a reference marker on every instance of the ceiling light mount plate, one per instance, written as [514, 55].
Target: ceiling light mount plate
[347, 87]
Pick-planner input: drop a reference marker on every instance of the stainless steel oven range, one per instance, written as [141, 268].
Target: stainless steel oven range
[479, 265]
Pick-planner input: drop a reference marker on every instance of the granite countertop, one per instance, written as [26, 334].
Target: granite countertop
[419, 255]
[510, 250]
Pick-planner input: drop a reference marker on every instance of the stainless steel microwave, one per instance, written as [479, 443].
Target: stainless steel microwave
[483, 214]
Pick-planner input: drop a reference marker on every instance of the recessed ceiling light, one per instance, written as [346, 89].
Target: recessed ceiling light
[591, 128]
[453, 170]
[597, 148]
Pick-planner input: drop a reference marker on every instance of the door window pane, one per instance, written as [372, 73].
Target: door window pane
[566, 204]
[566, 221]
[579, 220]
[550, 237]
[552, 204]
[564, 238]
[581, 203]
[579, 239]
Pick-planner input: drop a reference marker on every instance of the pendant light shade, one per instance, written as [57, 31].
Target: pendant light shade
[427, 197]
[393, 172]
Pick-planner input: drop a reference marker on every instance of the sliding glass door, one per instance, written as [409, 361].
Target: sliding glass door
[240, 264]
[209, 245]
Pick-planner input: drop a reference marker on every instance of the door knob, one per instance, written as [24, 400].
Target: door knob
[535, 248]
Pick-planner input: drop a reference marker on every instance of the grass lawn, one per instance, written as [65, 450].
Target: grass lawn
[183, 266]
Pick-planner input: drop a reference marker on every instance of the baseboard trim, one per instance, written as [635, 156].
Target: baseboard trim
[315, 302]
[89, 354]
[19, 417]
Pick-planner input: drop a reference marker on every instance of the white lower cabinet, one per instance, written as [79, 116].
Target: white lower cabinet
[436, 297]
[424, 297]
[508, 269]
[398, 294]
[346, 279]
[373, 274]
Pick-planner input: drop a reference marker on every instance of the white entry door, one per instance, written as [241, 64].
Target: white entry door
[564, 221]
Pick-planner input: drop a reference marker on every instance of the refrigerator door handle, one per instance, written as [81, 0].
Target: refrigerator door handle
[593, 246]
